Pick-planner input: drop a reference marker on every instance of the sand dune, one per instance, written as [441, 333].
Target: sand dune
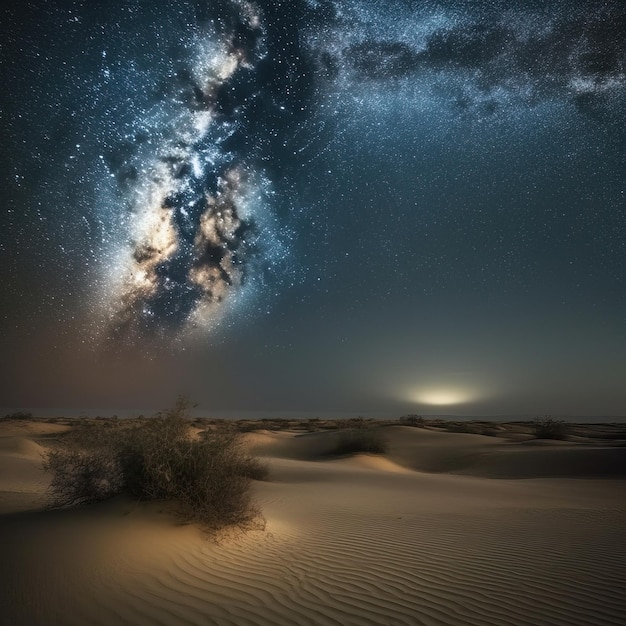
[443, 452]
[425, 534]
[477, 455]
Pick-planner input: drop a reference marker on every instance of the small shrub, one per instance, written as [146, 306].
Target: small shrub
[206, 477]
[19, 415]
[549, 428]
[360, 440]
[312, 424]
[356, 422]
[413, 420]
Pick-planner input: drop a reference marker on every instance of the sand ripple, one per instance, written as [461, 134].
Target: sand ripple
[350, 542]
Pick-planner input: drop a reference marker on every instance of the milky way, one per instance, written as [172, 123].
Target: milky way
[192, 226]
[193, 243]
[195, 138]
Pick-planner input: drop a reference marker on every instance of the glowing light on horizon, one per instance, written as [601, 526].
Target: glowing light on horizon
[444, 396]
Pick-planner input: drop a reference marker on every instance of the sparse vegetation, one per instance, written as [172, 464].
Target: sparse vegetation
[549, 428]
[360, 440]
[413, 420]
[19, 415]
[207, 477]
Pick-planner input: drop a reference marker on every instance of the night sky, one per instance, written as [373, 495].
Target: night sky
[314, 205]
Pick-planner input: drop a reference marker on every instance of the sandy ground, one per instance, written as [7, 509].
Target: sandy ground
[445, 528]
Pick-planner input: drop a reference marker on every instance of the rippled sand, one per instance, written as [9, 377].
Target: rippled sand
[445, 528]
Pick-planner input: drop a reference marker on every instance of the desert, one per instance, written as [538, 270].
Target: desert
[376, 249]
[442, 527]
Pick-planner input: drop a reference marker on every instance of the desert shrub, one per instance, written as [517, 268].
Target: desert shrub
[413, 420]
[206, 477]
[312, 424]
[360, 440]
[356, 422]
[83, 477]
[549, 428]
[19, 415]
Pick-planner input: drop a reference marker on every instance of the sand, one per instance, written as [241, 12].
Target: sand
[445, 528]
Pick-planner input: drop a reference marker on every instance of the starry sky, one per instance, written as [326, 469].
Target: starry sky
[314, 206]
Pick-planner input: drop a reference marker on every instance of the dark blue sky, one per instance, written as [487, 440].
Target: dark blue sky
[315, 205]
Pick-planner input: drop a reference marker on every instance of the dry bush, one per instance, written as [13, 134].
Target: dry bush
[312, 424]
[207, 477]
[413, 420]
[549, 428]
[19, 415]
[360, 440]
[83, 477]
